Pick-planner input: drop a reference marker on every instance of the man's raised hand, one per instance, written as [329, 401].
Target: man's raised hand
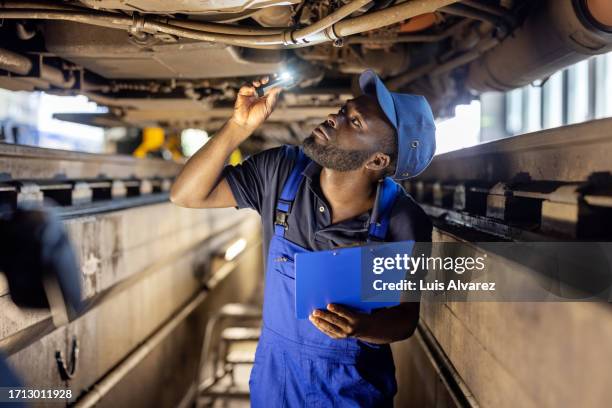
[250, 111]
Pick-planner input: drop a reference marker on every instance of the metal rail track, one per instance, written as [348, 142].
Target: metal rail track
[80, 184]
[553, 184]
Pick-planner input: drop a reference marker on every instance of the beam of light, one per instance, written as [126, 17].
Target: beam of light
[286, 75]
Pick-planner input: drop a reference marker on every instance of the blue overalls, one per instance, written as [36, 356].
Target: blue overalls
[296, 365]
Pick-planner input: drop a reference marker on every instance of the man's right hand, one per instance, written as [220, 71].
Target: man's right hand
[250, 111]
[199, 184]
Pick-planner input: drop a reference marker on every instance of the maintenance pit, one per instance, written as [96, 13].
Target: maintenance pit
[103, 102]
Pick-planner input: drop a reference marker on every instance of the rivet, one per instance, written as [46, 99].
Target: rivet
[322, 209]
[414, 143]
[406, 174]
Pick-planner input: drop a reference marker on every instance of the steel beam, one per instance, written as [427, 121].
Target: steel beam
[556, 183]
[26, 162]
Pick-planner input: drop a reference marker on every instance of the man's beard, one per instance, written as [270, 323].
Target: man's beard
[333, 157]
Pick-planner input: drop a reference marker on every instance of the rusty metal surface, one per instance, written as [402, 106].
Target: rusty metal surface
[110, 53]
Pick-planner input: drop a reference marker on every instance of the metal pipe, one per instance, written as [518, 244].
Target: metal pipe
[15, 63]
[140, 23]
[329, 20]
[375, 20]
[23, 32]
[388, 16]
[220, 28]
[42, 5]
[488, 8]
[103, 19]
[398, 81]
[465, 58]
[409, 38]
[553, 36]
[404, 38]
[295, 36]
[99, 390]
[55, 77]
[462, 11]
[230, 39]
[196, 25]
[434, 69]
[264, 36]
[283, 40]
[22, 65]
[277, 34]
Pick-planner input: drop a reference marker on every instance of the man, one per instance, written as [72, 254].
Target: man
[320, 197]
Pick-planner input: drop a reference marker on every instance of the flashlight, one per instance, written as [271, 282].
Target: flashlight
[284, 80]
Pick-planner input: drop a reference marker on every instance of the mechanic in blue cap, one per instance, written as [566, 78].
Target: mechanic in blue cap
[320, 196]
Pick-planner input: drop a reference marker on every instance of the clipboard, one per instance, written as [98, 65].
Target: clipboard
[342, 276]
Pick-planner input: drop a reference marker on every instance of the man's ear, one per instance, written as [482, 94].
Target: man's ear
[378, 161]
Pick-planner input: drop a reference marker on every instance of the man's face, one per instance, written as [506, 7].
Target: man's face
[349, 138]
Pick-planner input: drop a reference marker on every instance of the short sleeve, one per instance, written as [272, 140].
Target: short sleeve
[409, 221]
[250, 180]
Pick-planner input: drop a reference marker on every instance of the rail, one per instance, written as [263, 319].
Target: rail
[81, 184]
[552, 184]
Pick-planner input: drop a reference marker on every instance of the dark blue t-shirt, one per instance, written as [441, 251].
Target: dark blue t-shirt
[258, 181]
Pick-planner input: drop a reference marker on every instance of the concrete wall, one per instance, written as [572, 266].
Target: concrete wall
[509, 354]
[139, 267]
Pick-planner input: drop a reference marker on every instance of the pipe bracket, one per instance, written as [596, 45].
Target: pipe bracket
[330, 33]
[287, 37]
[138, 23]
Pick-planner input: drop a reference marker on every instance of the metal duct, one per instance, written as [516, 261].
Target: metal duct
[15, 63]
[22, 65]
[555, 35]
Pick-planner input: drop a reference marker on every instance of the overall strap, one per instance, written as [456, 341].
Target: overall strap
[285, 202]
[379, 224]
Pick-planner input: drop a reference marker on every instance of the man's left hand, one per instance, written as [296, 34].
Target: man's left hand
[340, 322]
[383, 326]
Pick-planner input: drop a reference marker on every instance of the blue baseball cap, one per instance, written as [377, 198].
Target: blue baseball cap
[413, 121]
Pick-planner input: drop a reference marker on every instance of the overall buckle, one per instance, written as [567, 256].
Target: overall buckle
[281, 219]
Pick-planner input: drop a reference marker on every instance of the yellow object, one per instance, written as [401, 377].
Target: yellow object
[152, 140]
[235, 158]
[173, 145]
